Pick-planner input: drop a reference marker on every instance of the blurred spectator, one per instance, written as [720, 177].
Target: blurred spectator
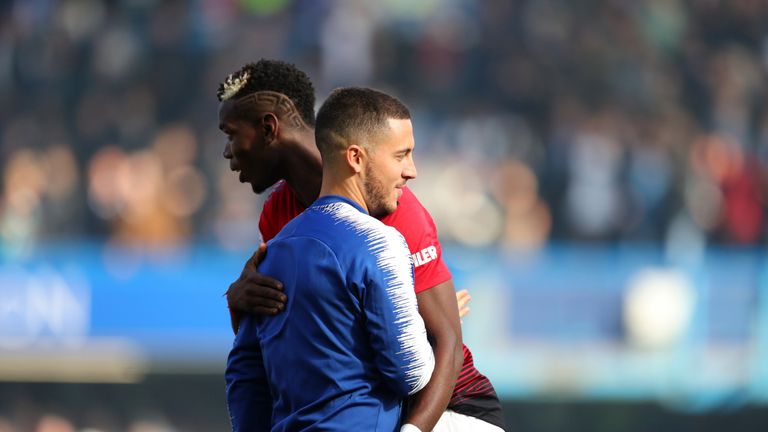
[54, 423]
[544, 120]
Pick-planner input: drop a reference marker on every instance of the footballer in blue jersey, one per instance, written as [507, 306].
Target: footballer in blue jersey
[352, 336]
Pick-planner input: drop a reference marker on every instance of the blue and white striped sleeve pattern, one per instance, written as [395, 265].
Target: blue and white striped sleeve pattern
[396, 330]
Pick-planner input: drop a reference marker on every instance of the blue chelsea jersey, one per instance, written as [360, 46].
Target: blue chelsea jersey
[350, 344]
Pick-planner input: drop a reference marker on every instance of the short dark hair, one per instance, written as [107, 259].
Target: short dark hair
[355, 114]
[280, 77]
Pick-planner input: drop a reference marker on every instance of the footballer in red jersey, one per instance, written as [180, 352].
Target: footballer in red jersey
[267, 115]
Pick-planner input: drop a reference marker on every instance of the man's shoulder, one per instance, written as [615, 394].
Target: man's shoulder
[346, 228]
[346, 218]
[338, 234]
[365, 247]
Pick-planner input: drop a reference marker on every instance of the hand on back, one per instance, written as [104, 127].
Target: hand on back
[254, 292]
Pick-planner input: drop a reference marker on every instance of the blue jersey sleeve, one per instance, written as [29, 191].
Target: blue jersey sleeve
[248, 396]
[397, 333]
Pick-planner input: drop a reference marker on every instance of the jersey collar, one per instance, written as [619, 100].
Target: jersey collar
[330, 199]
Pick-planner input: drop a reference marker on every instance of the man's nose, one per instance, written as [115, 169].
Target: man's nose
[410, 170]
[227, 152]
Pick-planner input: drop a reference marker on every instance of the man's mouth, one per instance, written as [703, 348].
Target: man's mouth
[242, 177]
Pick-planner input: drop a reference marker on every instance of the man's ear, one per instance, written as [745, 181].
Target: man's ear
[356, 157]
[269, 126]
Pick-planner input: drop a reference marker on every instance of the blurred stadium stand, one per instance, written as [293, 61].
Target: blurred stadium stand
[598, 172]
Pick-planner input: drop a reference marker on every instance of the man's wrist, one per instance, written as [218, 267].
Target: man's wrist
[409, 428]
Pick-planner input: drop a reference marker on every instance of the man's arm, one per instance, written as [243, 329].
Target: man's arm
[396, 331]
[249, 401]
[439, 309]
[403, 354]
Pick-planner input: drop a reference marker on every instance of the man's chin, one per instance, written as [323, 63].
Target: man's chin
[384, 211]
[261, 188]
[258, 189]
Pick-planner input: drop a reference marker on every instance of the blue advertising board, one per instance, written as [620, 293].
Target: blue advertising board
[586, 322]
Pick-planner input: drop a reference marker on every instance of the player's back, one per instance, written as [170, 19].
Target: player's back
[334, 359]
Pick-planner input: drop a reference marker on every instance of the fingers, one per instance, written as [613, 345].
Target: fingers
[257, 294]
[260, 291]
[257, 291]
[463, 298]
[263, 298]
[264, 281]
[258, 305]
[266, 311]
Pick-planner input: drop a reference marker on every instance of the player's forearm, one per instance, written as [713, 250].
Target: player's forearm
[429, 404]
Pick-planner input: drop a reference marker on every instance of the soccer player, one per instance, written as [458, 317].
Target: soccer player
[351, 344]
[271, 140]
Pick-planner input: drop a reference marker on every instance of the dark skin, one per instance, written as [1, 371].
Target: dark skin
[297, 160]
[265, 150]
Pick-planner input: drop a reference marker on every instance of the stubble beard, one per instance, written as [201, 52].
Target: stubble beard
[376, 195]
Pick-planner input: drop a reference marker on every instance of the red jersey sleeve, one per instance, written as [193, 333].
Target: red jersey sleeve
[416, 225]
[281, 207]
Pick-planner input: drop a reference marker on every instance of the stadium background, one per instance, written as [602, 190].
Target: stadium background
[597, 171]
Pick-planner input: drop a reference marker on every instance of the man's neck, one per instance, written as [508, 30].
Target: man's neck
[304, 167]
[347, 187]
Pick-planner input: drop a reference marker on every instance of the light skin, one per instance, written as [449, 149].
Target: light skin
[463, 298]
[374, 177]
[292, 155]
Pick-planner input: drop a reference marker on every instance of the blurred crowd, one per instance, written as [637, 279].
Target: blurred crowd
[52, 422]
[158, 404]
[536, 121]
